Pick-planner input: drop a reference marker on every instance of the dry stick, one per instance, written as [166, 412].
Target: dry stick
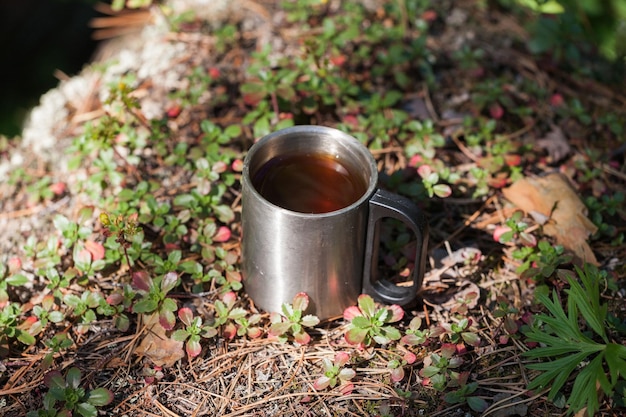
[464, 149]
[429, 105]
[165, 409]
[50, 208]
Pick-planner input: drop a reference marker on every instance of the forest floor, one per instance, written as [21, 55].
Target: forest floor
[120, 288]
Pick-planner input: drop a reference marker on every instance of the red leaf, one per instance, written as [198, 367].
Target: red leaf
[499, 231]
[513, 160]
[185, 315]
[429, 15]
[214, 72]
[174, 111]
[496, 111]
[229, 331]
[338, 60]
[556, 100]
[141, 280]
[58, 188]
[222, 235]
[14, 264]
[237, 165]
[351, 312]
[415, 160]
[96, 249]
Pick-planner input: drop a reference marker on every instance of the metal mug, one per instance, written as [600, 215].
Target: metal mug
[331, 256]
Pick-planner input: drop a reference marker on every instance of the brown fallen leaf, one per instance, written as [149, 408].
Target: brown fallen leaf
[556, 144]
[156, 346]
[568, 222]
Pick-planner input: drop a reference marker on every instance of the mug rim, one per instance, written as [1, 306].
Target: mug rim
[312, 130]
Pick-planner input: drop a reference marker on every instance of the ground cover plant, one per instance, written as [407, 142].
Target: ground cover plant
[120, 288]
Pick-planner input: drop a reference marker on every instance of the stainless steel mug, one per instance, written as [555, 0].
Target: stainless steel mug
[331, 255]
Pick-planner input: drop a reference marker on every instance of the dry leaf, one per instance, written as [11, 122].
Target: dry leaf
[160, 349]
[568, 222]
[556, 144]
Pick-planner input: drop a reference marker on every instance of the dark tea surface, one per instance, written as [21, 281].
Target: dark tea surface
[315, 183]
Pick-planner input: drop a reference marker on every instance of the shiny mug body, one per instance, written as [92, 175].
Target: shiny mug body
[311, 211]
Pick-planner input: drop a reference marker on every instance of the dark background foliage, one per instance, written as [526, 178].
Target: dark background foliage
[38, 37]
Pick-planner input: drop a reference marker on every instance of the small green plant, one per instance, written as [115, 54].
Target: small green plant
[396, 365]
[59, 342]
[439, 369]
[9, 276]
[122, 229]
[10, 328]
[606, 213]
[71, 231]
[292, 321]
[73, 399]
[335, 373]
[413, 335]
[430, 179]
[154, 299]
[565, 347]
[464, 395]
[369, 323]
[226, 314]
[246, 326]
[193, 331]
[514, 228]
[84, 307]
[458, 332]
[46, 313]
[544, 262]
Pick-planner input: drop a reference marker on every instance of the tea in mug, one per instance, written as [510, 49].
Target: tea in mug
[309, 183]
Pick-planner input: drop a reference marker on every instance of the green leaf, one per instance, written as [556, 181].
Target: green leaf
[170, 280]
[360, 322]
[310, 320]
[99, 397]
[287, 310]
[279, 328]
[145, 306]
[367, 305]
[557, 371]
[237, 313]
[584, 392]
[17, 279]
[73, 377]
[26, 338]
[56, 316]
[233, 131]
[185, 200]
[61, 223]
[87, 410]
[477, 404]
[54, 379]
[72, 300]
[392, 333]
[356, 335]
[180, 335]
[169, 304]
[615, 356]
[588, 300]
[224, 213]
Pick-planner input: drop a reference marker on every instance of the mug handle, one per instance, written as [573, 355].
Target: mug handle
[385, 204]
